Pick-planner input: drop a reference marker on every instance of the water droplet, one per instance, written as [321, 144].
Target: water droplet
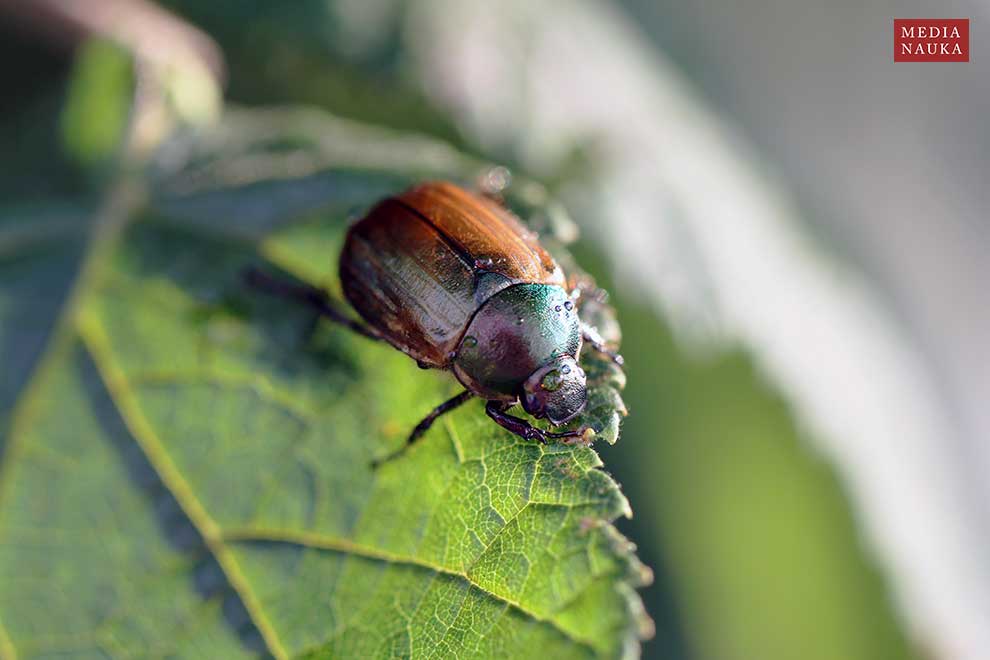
[469, 342]
[495, 180]
[520, 321]
[557, 308]
[551, 381]
[568, 305]
[566, 368]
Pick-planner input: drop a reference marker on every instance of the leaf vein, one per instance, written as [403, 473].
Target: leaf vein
[343, 546]
[97, 344]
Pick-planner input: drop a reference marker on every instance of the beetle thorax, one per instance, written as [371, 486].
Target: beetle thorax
[516, 332]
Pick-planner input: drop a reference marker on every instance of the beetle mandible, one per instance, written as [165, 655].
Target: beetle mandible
[454, 280]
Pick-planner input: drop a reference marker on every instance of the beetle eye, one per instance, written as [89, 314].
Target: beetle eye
[552, 381]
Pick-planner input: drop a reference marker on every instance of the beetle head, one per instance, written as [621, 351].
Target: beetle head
[557, 391]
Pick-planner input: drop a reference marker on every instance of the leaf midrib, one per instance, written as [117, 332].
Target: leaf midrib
[320, 541]
[97, 345]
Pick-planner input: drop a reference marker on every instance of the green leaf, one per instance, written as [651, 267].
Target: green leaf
[102, 87]
[186, 470]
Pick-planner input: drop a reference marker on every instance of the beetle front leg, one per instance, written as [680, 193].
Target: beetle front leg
[522, 428]
[592, 303]
[307, 295]
[425, 424]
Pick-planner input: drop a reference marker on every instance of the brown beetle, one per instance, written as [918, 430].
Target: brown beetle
[456, 282]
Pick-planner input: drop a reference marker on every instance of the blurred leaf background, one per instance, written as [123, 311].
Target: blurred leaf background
[757, 549]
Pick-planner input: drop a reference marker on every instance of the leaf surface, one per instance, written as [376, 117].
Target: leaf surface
[186, 462]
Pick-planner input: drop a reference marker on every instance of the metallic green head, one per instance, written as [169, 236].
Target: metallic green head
[523, 344]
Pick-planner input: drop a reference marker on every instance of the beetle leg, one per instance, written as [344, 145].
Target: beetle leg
[585, 293]
[308, 295]
[595, 340]
[424, 425]
[522, 428]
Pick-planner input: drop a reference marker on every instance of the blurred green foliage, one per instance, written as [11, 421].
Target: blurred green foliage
[302, 52]
[33, 162]
[102, 86]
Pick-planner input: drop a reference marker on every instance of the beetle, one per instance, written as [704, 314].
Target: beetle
[454, 280]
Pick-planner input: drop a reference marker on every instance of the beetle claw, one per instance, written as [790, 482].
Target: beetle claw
[582, 437]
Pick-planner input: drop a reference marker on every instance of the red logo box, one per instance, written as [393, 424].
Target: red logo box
[931, 40]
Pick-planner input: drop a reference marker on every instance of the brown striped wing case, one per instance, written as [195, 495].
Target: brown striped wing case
[419, 265]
